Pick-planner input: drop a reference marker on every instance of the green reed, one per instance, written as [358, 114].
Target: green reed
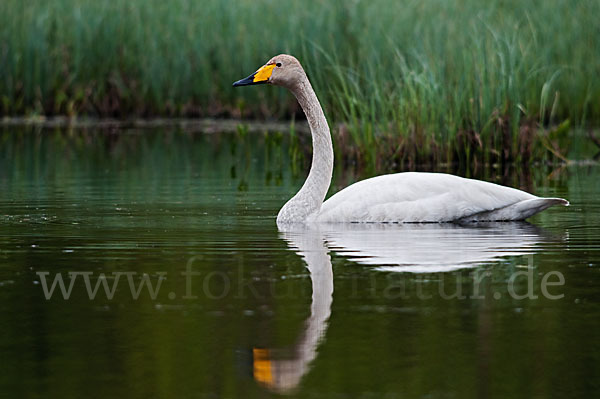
[428, 80]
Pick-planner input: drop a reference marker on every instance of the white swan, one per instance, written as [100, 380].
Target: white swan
[394, 198]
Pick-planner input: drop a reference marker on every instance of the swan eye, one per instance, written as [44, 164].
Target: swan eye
[278, 64]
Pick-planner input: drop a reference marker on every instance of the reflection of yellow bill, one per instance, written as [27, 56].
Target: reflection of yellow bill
[264, 73]
[262, 363]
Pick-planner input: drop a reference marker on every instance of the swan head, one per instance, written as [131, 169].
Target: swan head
[282, 70]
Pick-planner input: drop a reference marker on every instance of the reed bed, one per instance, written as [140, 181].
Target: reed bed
[407, 81]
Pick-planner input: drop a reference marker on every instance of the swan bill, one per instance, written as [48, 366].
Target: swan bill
[259, 77]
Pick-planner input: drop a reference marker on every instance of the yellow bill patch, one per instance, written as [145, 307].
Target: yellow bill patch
[262, 364]
[264, 73]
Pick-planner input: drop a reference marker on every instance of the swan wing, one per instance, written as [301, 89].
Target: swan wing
[414, 197]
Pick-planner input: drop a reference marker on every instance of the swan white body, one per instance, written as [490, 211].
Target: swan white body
[397, 198]
[414, 197]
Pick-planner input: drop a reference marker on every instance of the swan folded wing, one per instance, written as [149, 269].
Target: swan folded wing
[518, 211]
[423, 197]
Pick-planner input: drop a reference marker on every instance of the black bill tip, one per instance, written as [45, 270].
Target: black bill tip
[244, 82]
[247, 81]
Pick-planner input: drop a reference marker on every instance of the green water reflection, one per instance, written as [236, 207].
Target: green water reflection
[330, 312]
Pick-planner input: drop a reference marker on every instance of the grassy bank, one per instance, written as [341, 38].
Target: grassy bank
[422, 80]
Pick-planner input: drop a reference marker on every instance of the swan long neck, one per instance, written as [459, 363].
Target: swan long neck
[307, 202]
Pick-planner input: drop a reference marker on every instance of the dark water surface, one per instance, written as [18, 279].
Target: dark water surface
[359, 311]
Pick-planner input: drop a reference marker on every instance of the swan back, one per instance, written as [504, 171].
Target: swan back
[429, 197]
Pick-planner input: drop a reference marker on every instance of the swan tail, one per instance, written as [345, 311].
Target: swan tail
[518, 211]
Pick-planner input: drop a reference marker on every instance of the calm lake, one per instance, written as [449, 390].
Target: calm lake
[180, 284]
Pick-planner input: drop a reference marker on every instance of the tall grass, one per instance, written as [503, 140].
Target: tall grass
[426, 77]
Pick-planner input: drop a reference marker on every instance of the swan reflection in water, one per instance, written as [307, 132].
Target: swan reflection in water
[414, 248]
[285, 374]
[432, 247]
